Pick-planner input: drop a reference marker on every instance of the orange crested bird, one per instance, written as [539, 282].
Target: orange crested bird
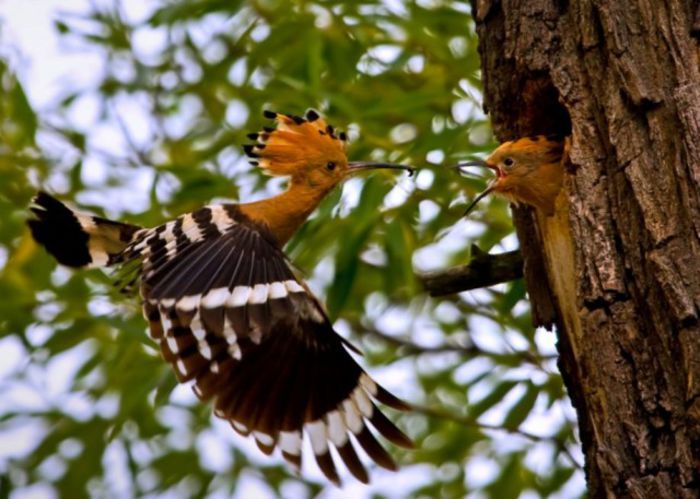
[230, 314]
[528, 171]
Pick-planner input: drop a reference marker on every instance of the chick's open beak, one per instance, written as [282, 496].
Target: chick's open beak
[491, 186]
[358, 166]
[482, 163]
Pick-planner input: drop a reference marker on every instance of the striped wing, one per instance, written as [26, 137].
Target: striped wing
[229, 314]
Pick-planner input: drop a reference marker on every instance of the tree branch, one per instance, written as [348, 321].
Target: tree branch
[412, 348]
[483, 270]
[558, 441]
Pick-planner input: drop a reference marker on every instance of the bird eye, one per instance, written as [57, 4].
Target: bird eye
[508, 162]
[330, 166]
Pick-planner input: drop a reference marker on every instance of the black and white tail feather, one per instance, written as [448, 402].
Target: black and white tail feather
[229, 314]
[76, 239]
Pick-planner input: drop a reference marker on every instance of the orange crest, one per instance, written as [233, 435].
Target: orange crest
[296, 145]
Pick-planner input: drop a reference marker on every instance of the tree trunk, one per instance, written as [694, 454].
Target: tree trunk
[617, 269]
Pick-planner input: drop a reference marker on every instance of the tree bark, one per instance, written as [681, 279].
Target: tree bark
[617, 269]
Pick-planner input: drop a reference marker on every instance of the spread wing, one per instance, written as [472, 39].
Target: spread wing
[230, 314]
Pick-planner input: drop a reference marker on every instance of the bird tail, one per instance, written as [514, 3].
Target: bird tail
[77, 239]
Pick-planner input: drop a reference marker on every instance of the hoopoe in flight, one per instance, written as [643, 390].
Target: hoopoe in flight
[528, 171]
[229, 313]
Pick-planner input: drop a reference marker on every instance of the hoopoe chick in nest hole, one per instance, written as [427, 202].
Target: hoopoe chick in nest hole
[229, 313]
[528, 170]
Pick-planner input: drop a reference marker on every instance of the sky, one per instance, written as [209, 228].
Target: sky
[47, 68]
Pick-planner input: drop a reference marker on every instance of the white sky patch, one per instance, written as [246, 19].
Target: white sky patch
[13, 354]
[480, 134]
[352, 190]
[416, 64]
[62, 368]
[424, 179]
[237, 113]
[260, 33]
[94, 172]
[37, 334]
[238, 72]
[543, 421]
[215, 455]
[133, 113]
[398, 194]
[45, 64]
[472, 369]
[106, 138]
[23, 397]
[183, 395]
[374, 255]
[84, 112]
[432, 336]
[396, 7]
[463, 110]
[78, 406]
[427, 211]
[546, 341]
[137, 12]
[447, 313]
[4, 254]
[215, 52]
[482, 330]
[436, 156]
[480, 471]
[149, 43]
[249, 485]
[405, 132]
[35, 491]
[516, 340]
[394, 321]
[178, 124]
[107, 405]
[116, 461]
[509, 243]
[20, 437]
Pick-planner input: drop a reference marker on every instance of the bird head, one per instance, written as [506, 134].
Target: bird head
[528, 170]
[307, 150]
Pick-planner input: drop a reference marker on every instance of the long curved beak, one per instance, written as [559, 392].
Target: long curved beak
[358, 166]
[478, 198]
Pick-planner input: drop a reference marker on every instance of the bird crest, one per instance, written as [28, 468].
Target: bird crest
[296, 144]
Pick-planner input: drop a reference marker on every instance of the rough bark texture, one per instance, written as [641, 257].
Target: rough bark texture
[617, 269]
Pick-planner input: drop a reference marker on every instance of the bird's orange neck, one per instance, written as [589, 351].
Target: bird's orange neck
[285, 213]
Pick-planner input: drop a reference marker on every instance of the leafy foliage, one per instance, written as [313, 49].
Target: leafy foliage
[178, 90]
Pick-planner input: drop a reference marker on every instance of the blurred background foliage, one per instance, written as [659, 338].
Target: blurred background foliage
[88, 407]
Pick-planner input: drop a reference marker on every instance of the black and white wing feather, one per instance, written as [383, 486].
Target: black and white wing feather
[230, 314]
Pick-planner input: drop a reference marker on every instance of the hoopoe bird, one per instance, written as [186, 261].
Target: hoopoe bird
[528, 170]
[229, 313]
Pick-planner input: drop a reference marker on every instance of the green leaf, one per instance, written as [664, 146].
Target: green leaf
[522, 408]
[496, 395]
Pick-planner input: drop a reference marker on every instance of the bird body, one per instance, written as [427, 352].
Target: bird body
[230, 314]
